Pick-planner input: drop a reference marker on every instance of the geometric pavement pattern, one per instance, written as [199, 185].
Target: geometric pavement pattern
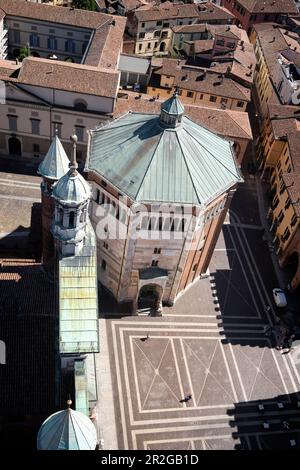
[225, 366]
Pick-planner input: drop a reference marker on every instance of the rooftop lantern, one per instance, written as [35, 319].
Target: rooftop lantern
[172, 111]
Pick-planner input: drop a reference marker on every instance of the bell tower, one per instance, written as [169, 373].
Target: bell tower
[71, 194]
[52, 168]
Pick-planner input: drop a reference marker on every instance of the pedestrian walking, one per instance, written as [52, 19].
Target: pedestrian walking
[145, 338]
[268, 330]
[186, 399]
[261, 407]
[286, 425]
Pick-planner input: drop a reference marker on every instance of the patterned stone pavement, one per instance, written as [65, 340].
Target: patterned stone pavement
[210, 345]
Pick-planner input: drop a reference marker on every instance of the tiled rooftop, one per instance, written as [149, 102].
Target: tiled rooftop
[107, 40]
[269, 6]
[187, 77]
[167, 10]
[227, 123]
[68, 76]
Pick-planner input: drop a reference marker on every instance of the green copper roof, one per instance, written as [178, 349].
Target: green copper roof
[55, 163]
[72, 189]
[153, 163]
[173, 106]
[78, 299]
[67, 430]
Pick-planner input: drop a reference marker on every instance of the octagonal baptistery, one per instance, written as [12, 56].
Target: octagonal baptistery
[161, 187]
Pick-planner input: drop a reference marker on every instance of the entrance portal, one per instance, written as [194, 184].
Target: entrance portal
[14, 146]
[150, 298]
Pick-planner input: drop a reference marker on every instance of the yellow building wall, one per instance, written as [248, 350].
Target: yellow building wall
[283, 166]
[197, 97]
[262, 81]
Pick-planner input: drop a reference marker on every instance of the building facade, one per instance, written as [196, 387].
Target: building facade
[69, 256]
[156, 221]
[278, 159]
[250, 12]
[198, 86]
[72, 81]
[152, 27]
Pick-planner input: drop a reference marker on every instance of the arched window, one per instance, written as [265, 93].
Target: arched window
[34, 40]
[145, 222]
[82, 217]
[72, 220]
[60, 216]
[80, 105]
[52, 43]
[152, 223]
[70, 46]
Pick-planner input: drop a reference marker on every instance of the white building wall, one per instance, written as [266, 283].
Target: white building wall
[44, 30]
[98, 104]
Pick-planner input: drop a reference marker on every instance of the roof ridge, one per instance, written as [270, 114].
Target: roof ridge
[187, 167]
[221, 163]
[147, 169]
[227, 111]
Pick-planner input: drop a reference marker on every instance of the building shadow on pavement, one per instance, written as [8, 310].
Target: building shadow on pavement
[241, 280]
[24, 242]
[109, 307]
[267, 424]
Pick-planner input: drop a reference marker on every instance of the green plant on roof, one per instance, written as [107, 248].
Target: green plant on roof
[24, 52]
[85, 4]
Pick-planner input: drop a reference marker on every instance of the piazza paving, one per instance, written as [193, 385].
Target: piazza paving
[211, 346]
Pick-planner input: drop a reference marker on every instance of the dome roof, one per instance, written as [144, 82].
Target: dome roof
[72, 188]
[151, 162]
[67, 430]
[173, 106]
[55, 163]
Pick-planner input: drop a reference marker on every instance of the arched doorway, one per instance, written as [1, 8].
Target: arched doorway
[14, 146]
[162, 47]
[150, 297]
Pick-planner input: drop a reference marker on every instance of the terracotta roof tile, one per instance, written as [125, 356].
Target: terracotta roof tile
[269, 6]
[203, 45]
[107, 30]
[226, 123]
[167, 10]
[70, 77]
